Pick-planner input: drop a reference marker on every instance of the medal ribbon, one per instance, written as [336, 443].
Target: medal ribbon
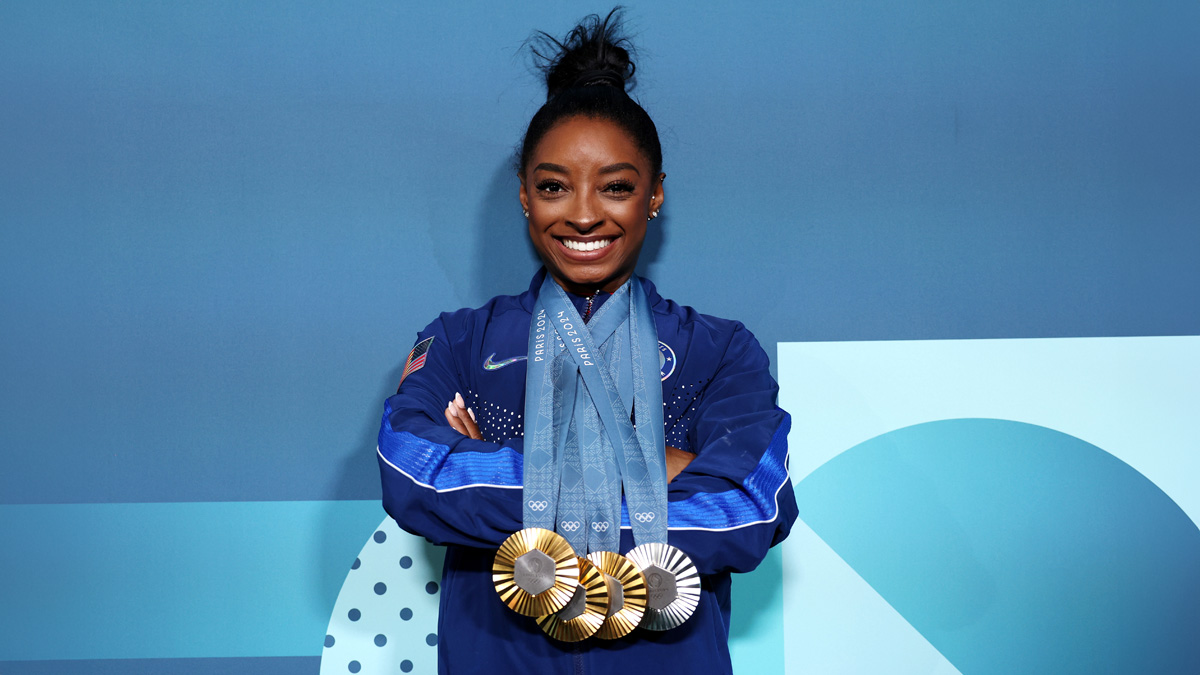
[581, 440]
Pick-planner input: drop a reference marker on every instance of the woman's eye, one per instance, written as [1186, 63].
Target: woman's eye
[550, 186]
[619, 187]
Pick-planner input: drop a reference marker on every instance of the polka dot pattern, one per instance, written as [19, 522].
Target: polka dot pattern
[382, 622]
[679, 410]
[496, 423]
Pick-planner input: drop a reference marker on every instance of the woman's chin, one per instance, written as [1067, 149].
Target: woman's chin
[582, 281]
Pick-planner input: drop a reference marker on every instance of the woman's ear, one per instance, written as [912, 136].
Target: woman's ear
[657, 198]
[523, 197]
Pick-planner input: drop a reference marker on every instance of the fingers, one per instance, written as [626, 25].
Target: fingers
[462, 418]
[451, 413]
[468, 419]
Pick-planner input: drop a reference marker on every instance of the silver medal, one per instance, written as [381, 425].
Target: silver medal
[673, 584]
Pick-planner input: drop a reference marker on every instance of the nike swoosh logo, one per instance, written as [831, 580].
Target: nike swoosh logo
[497, 365]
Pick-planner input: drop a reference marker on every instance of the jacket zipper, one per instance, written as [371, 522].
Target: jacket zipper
[577, 656]
[587, 313]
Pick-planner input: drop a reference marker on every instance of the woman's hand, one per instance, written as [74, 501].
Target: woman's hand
[462, 418]
[677, 461]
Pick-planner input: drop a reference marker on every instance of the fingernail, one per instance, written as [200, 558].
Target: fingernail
[459, 400]
[452, 409]
[472, 414]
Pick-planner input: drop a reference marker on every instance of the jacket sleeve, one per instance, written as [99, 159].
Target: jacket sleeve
[437, 483]
[734, 500]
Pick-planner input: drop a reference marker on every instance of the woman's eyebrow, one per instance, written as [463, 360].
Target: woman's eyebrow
[547, 166]
[620, 166]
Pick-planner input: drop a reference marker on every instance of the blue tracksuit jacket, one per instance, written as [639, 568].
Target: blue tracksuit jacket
[730, 505]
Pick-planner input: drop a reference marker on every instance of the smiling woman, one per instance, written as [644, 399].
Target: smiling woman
[589, 194]
[622, 452]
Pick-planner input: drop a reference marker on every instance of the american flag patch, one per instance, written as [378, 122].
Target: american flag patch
[416, 359]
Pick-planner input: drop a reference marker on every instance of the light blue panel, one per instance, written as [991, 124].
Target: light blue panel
[756, 630]
[1015, 548]
[1133, 396]
[837, 623]
[120, 581]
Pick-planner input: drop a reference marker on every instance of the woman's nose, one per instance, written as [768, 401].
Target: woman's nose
[585, 213]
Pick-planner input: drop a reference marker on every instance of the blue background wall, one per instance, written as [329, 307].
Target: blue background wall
[221, 224]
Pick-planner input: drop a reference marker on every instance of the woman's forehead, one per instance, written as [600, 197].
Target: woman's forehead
[588, 142]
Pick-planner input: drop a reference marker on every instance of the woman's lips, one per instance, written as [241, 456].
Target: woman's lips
[585, 249]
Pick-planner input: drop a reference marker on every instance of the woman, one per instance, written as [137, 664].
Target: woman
[457, 439]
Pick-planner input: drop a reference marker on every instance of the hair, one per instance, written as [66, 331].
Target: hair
[587, 74]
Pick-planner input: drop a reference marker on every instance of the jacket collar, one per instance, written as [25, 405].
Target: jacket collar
[530, 296]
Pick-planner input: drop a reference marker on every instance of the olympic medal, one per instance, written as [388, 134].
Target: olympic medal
[626, 594]
[535, 572]
[585, 613]
[672, 583]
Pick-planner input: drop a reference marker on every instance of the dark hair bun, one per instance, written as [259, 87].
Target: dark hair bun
[587, 74]
[593, 53]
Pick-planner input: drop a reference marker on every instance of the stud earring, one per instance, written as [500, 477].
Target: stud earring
[653, 214]
[526, 213]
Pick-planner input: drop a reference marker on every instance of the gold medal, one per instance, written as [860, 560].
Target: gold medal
[535, 572]
[672, 582]
[585, 613]
[626, 594]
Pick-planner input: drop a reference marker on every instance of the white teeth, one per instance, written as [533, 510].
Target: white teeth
[586, 245]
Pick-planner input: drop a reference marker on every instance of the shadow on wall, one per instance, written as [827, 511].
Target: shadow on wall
[504, 259]
[656, 236]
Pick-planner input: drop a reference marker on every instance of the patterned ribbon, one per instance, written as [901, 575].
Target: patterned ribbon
[583, 441]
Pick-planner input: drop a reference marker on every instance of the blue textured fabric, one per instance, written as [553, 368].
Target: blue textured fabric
[755, 502]
[731, 503]
[431, 464]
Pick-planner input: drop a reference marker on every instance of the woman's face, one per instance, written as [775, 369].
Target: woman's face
[589, 192]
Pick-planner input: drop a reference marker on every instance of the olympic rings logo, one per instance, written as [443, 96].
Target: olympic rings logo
[644, 516]
[570, 525]
[539, 505]
[600, 527]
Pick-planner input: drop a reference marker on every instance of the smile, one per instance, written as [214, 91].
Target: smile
[594, 245]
